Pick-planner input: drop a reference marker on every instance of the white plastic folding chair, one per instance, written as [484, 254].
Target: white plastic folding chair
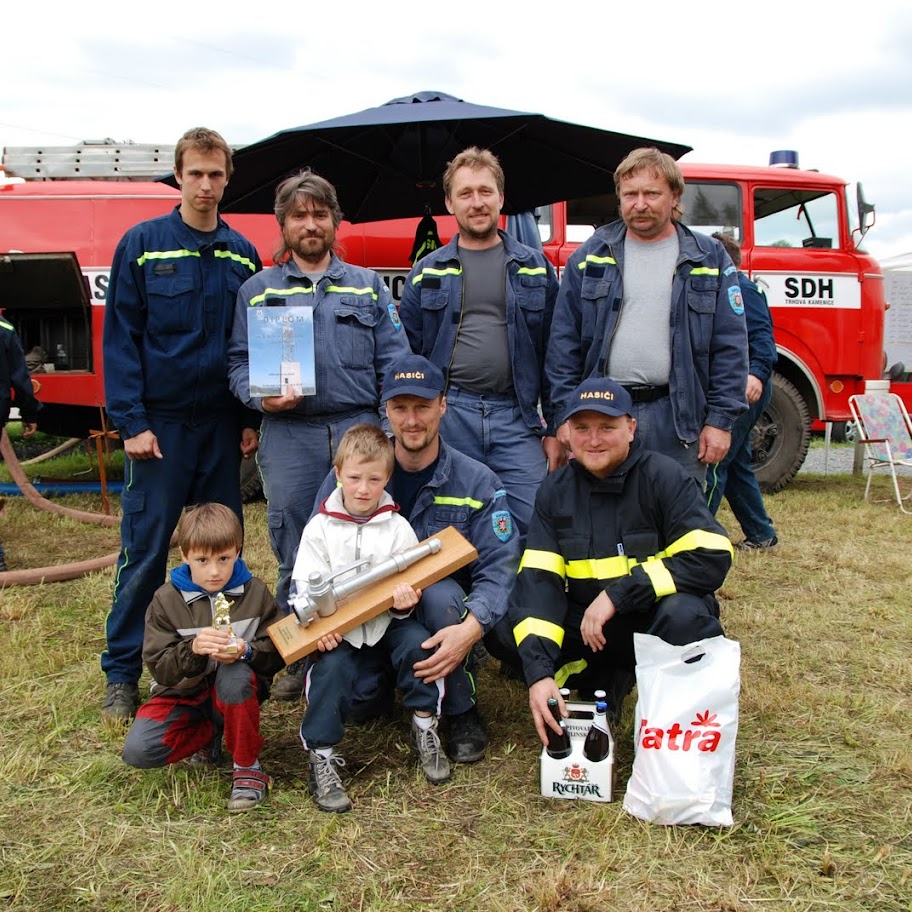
[886, 432]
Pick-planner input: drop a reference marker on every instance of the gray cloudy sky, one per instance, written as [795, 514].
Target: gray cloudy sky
[735, 81]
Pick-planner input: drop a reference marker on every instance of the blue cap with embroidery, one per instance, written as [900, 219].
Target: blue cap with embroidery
[600, 394]
[412, 375]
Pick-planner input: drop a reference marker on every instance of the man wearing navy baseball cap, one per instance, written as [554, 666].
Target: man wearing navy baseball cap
[436, 486]
[621, 541]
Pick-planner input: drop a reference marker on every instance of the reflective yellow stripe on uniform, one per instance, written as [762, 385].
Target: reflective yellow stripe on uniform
[704, 270]
[459, 502]
[526, 270]
[165, 255]
[698, 538]
[231, 255]
[538, 627]
[281, 292]
[543, 560]
[571, 668]
[599, 568]
[450, 270]
[340, 289]
[5, 325]
[597, 261]
[662, 582]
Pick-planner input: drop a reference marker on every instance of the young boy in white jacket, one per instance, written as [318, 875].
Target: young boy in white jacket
[360, 520]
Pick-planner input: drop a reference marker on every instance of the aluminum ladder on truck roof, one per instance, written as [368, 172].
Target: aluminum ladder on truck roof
[101, 160]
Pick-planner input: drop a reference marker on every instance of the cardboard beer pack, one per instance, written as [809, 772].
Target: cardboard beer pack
[574, 776]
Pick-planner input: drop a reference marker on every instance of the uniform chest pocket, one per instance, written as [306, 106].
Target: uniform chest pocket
[355, 322]
[531, 292]
[702, 296]
[172, 302]
[641, 545]
[443, 516]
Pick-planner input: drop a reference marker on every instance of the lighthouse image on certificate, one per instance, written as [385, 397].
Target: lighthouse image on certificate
[281, 350]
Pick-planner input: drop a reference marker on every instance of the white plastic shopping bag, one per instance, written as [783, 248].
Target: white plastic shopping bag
[686, 724]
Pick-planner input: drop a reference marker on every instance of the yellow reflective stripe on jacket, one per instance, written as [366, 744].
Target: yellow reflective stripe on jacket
[597, 260]
[231, 255]
[6, 325]
[341, 289]
[459, 502]
[165, 255]
[698, 538]
[450, 270]
[526, 270]
[599, 568]
[660, 578]
[282, 292]
[538, 627]
[704, 270]
[543, 560]
[571, 668]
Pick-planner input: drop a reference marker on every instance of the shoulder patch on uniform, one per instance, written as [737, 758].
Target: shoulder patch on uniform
[500, 492]
[735, 299]
[394, 315]
[729, 270]
[503, 524]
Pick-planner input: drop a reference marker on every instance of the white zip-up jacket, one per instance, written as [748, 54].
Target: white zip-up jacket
[333, 539]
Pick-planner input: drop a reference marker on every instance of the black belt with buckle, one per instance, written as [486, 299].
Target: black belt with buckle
[643, 393]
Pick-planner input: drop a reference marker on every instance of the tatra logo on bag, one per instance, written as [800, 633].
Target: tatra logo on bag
[699, 735]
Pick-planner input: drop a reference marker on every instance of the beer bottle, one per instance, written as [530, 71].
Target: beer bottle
[559, 745]
[597, 743]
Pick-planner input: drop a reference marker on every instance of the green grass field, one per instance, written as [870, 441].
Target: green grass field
[823, 786]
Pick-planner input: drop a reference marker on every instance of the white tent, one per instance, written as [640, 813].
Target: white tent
[898, 321]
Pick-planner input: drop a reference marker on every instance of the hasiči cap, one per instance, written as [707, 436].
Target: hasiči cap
[600, 394]
[412, 375]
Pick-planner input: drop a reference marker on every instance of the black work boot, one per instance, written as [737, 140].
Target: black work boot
[467, 737]
[291, 685]
[120, 703]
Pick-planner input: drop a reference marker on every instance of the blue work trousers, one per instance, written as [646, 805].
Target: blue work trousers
[200, 463]
[656, 431]
[734, 477]
[294, 458]
[331, 677]
[492, 430]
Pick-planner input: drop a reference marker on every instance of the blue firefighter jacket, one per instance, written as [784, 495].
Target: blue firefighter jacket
[432, 304]
[14, 375]
[761, 344]
[467, 495]
[167, 322]
[357, 335]
[708, 334]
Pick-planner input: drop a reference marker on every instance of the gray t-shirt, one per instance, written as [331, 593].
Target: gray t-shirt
[481, 356]
[640, 350]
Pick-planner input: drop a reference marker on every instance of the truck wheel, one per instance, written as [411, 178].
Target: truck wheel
[251, 484]
[780, 438]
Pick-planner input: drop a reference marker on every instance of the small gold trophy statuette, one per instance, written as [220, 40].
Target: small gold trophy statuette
[221, 620]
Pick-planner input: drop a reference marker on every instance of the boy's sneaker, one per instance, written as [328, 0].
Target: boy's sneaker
[120, 703]
[467, 738]
[433, 760]
[291, 685]
[325, 784]
[748, 545]
[249, 788]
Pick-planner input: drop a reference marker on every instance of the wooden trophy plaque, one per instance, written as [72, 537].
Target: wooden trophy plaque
[294, 641]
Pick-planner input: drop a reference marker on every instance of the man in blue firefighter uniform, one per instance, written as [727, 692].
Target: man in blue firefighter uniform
[437, 486]
[356, 336]
[657, 307]
[621, 542]
[480, 308]
[174, 282]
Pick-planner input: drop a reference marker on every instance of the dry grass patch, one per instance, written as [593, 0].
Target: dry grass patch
[823, 788]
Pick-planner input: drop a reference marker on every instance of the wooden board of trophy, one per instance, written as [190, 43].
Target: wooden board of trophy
[294, 641]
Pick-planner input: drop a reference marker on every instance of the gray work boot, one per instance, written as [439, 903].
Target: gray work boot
[325, 784]
[431, 756]
[291, 685]
[120, 703]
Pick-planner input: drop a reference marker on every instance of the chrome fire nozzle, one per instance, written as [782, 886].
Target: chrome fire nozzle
[322, 596]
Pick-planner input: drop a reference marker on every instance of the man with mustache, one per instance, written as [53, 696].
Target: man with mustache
[357, 335]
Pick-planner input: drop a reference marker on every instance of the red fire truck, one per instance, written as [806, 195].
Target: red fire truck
[799, 233]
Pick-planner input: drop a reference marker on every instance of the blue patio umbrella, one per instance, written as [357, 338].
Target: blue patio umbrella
[388, 161]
